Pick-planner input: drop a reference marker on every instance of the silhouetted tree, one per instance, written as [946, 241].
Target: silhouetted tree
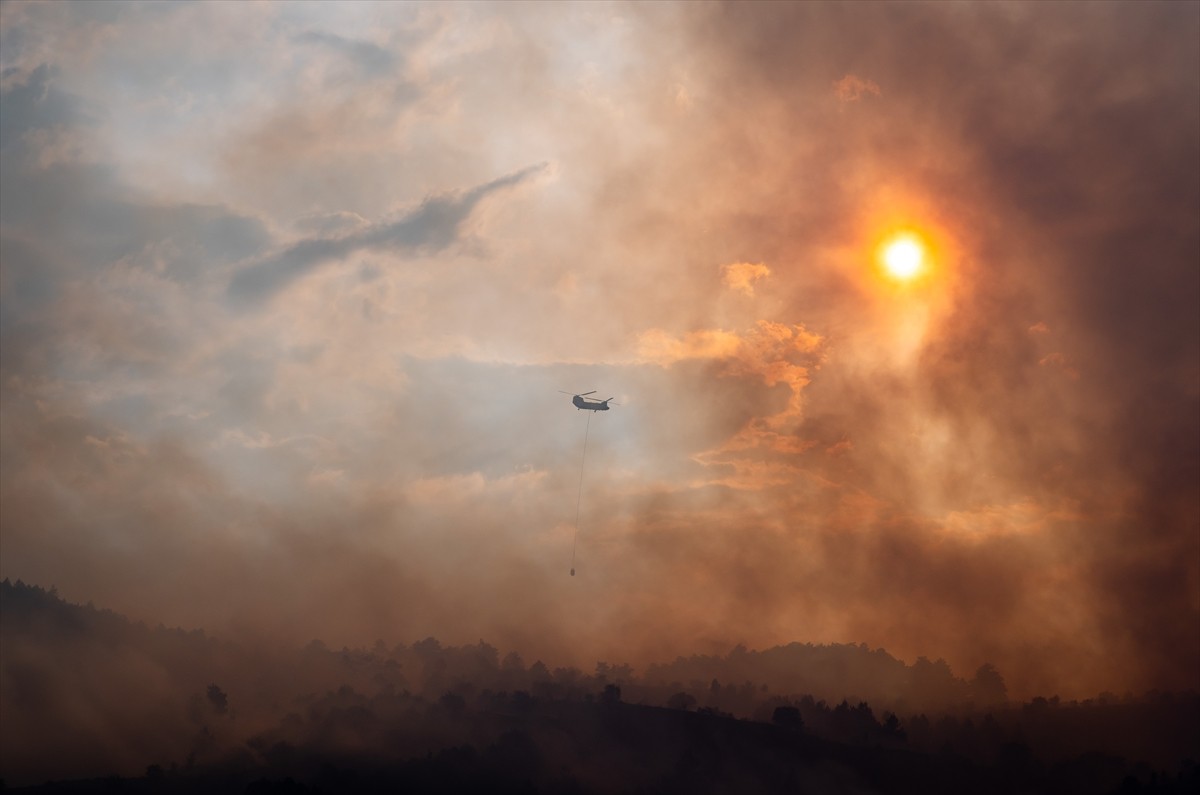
[218, 699]
[787, 718]
[932, 684]
[988, 688]
[452, 703]
[892, 729]
[514, 757]
[681, 700]
[611, 695]
[522, 702]
[854, 724]
[622, 672]
[427, 648]
[920, 732]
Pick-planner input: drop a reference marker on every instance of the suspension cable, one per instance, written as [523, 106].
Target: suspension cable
[579, 496]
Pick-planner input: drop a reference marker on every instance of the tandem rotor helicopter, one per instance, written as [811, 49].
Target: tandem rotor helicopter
[581, 401]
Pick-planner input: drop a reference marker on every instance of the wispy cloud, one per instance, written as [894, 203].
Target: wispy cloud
[432, 226]
[852, 88]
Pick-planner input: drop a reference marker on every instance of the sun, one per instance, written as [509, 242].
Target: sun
[902, 256]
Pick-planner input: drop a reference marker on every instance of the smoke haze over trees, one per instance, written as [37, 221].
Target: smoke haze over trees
[86, 693]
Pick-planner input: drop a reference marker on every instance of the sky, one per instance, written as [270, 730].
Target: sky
[288, 293]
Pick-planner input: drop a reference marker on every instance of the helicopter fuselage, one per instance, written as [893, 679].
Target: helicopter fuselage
[590, 405]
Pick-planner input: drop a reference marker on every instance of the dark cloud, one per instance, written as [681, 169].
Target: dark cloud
[33, 103]
[432, 226]
[371, 58]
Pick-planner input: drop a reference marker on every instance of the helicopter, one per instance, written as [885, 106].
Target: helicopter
[582, 402]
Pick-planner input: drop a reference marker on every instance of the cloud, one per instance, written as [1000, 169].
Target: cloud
[741, 276]
[1056, 359]
[762, 349]
[432, 226]
[34, 103]
[331, 224]
[372, 59]
[769, 354]
[662, 347]
[851, 88]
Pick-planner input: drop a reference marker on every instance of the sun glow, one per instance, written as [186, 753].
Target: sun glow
[903, 256]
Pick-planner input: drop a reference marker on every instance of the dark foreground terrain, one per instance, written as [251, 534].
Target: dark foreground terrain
[564, 747]
[92, 703]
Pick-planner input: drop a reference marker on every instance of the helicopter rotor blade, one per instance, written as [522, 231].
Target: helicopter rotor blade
[584, 394]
